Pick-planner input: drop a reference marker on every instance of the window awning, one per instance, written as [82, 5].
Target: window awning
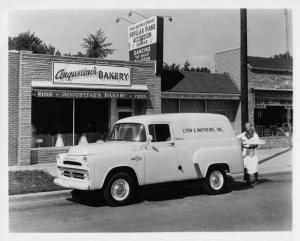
[49, 90]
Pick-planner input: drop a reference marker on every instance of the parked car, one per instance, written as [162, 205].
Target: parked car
[151, 149]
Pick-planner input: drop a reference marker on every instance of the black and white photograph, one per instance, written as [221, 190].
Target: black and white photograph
[135, 120]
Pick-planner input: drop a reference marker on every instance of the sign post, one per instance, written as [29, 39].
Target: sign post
[146, 41]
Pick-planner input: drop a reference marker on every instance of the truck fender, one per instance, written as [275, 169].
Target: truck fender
[115, 169]
[206, 157]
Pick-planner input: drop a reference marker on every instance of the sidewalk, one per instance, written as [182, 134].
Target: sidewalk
[275, 160]
[270, 160]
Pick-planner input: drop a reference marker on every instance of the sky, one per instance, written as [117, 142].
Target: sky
[194, 34]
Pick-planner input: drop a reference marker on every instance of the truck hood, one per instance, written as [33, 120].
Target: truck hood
[104, 147]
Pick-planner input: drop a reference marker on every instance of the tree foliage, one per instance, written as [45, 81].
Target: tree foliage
[29, 41]
[186, 67]
[285, 55]
[172, 67]
[96, 45]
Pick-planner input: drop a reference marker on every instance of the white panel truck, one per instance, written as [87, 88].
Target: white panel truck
[151, 149]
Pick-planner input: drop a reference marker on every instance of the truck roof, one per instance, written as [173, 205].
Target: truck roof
[172, 117]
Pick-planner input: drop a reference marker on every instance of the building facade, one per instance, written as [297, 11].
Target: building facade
[55, 101]
[270, 93]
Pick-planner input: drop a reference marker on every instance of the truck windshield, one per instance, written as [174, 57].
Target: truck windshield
[128, 132]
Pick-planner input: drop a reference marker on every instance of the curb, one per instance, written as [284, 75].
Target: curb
[40, 195]
[67, 193]
[262, 174]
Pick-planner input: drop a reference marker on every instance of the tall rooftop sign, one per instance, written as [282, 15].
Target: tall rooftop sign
[146, 41]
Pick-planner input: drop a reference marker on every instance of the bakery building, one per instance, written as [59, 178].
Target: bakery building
[56, 102]
[270, 94]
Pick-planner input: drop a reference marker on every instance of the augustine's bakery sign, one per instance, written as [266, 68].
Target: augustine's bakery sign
[65, 73]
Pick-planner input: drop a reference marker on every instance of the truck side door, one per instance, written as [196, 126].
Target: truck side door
[160, 155]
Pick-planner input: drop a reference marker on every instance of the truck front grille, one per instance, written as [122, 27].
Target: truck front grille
[72, 163]
[73, 173]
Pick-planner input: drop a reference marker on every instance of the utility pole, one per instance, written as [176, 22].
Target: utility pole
[289, 111]
[287, 32]
[243, 69]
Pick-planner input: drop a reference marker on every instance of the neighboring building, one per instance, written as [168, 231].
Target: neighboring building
[186, 91]
[270, 83]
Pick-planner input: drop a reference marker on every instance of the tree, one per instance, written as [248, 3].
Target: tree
[171, 67]
[29, 41]
[79, 54]
[203, 69]
[186, 66]
[49, 49]
[96, 45]
[285, 55]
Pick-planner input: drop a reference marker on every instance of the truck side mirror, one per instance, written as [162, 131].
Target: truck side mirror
[149, 139]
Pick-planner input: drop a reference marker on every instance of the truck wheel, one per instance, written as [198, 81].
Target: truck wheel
[215, 181]
[120, 189]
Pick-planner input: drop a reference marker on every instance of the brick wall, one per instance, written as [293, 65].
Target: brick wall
[37, 67]
[280, 81]
[45, 155]
[13, 85]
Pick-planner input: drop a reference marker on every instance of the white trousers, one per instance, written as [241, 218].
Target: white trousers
[250, 161]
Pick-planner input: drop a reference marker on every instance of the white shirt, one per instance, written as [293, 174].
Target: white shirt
[254, 140]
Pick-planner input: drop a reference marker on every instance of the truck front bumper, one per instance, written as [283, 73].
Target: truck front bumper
[72, 183]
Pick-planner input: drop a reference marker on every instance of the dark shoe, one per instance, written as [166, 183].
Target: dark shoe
[245, 174]
[256, 178]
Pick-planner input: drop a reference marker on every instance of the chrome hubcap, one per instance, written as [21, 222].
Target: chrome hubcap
[120, 189]
[216, 180]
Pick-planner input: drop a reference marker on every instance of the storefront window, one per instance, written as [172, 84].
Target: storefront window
[191, 106]
[170, 105]
[64, 122]
[91, 119]
[273, 121]
[51, 117]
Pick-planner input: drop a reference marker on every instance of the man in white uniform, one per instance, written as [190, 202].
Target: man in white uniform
[250, 142]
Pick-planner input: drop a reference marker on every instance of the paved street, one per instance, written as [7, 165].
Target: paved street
[266, 207]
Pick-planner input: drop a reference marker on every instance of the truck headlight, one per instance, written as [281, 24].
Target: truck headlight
[60, 158]
[86, 176]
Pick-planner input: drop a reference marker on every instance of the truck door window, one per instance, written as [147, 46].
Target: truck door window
[160, 132]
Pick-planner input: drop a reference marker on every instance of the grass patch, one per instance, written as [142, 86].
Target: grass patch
[27, 181]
